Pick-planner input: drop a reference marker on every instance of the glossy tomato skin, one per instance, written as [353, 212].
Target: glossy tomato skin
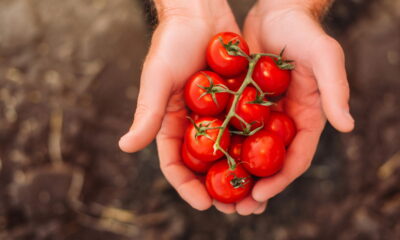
[263, 153]
[193, 163]
[283, 125]
[218, 182]
[201, 147]
[235, 148]
[218, 58]
[270, 77]
[205, 105]
[235, 82]
[250, 112]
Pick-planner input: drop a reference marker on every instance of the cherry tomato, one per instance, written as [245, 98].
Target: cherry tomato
[270, 77]
[193, 163]
[250, 112]
[228, 186]
[263, 153]
[235, 147]
[282, 125]
[234, 83]
[201, 97]
[200, 141]
[218, 58]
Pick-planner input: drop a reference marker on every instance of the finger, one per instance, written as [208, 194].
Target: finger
[329, 69]
[152, 100]
[247, 206]
[261, 208]
[250, 30]
[224, 207]
[297, 161]
[169, 141]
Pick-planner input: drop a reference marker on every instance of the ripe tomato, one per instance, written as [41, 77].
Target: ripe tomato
[263, 153]
[281, 124]
[228, 186]
[205, 100]
[235, 147]
[270, 77]
[234, 83]
[219, 59]
[250, 112]
[193, 163]
[200, 141]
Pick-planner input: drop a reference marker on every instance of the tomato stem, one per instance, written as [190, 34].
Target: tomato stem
[238, 182]
[234, 50]
[248, 80]
[278, 59]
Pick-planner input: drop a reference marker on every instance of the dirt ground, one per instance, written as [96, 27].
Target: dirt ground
[69, 75]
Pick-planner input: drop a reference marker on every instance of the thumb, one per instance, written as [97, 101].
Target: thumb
[329, 70]
[152, 101]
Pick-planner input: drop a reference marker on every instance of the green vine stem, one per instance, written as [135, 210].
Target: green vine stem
[234, 50]
[248, 80]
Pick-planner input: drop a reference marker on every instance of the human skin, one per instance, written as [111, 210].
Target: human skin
[318, 89]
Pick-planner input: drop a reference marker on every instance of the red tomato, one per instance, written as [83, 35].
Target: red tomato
[219, 59]
[201, 100]
[250, 112]
[282, 125]
[200, 141]
[193, 163]
[228, 186]
[234, 83]
[263, 153]
[270, 77]
[235, 147]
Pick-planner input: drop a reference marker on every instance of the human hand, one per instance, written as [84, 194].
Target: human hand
[318, 89]
[177, 51]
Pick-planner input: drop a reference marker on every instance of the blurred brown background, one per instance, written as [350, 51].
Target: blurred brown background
[69, 75]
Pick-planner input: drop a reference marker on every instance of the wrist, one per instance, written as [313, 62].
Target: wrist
[185, 8]
[316, 8]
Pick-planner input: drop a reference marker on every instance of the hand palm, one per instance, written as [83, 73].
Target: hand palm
[319, 78]
[177, 52]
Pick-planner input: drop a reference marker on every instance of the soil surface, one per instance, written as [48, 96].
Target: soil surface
[69, 76]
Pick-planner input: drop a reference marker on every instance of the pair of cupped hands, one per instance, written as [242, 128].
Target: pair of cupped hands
[318, 90]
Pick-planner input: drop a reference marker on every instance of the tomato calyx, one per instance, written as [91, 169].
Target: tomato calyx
[213, 89]
[260, 100]
[233, 49]
[201, 130]
[247, 130]
[238, 182]
[284, 64]
[279, 61]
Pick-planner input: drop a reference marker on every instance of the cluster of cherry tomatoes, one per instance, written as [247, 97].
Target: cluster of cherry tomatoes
[236, 134]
